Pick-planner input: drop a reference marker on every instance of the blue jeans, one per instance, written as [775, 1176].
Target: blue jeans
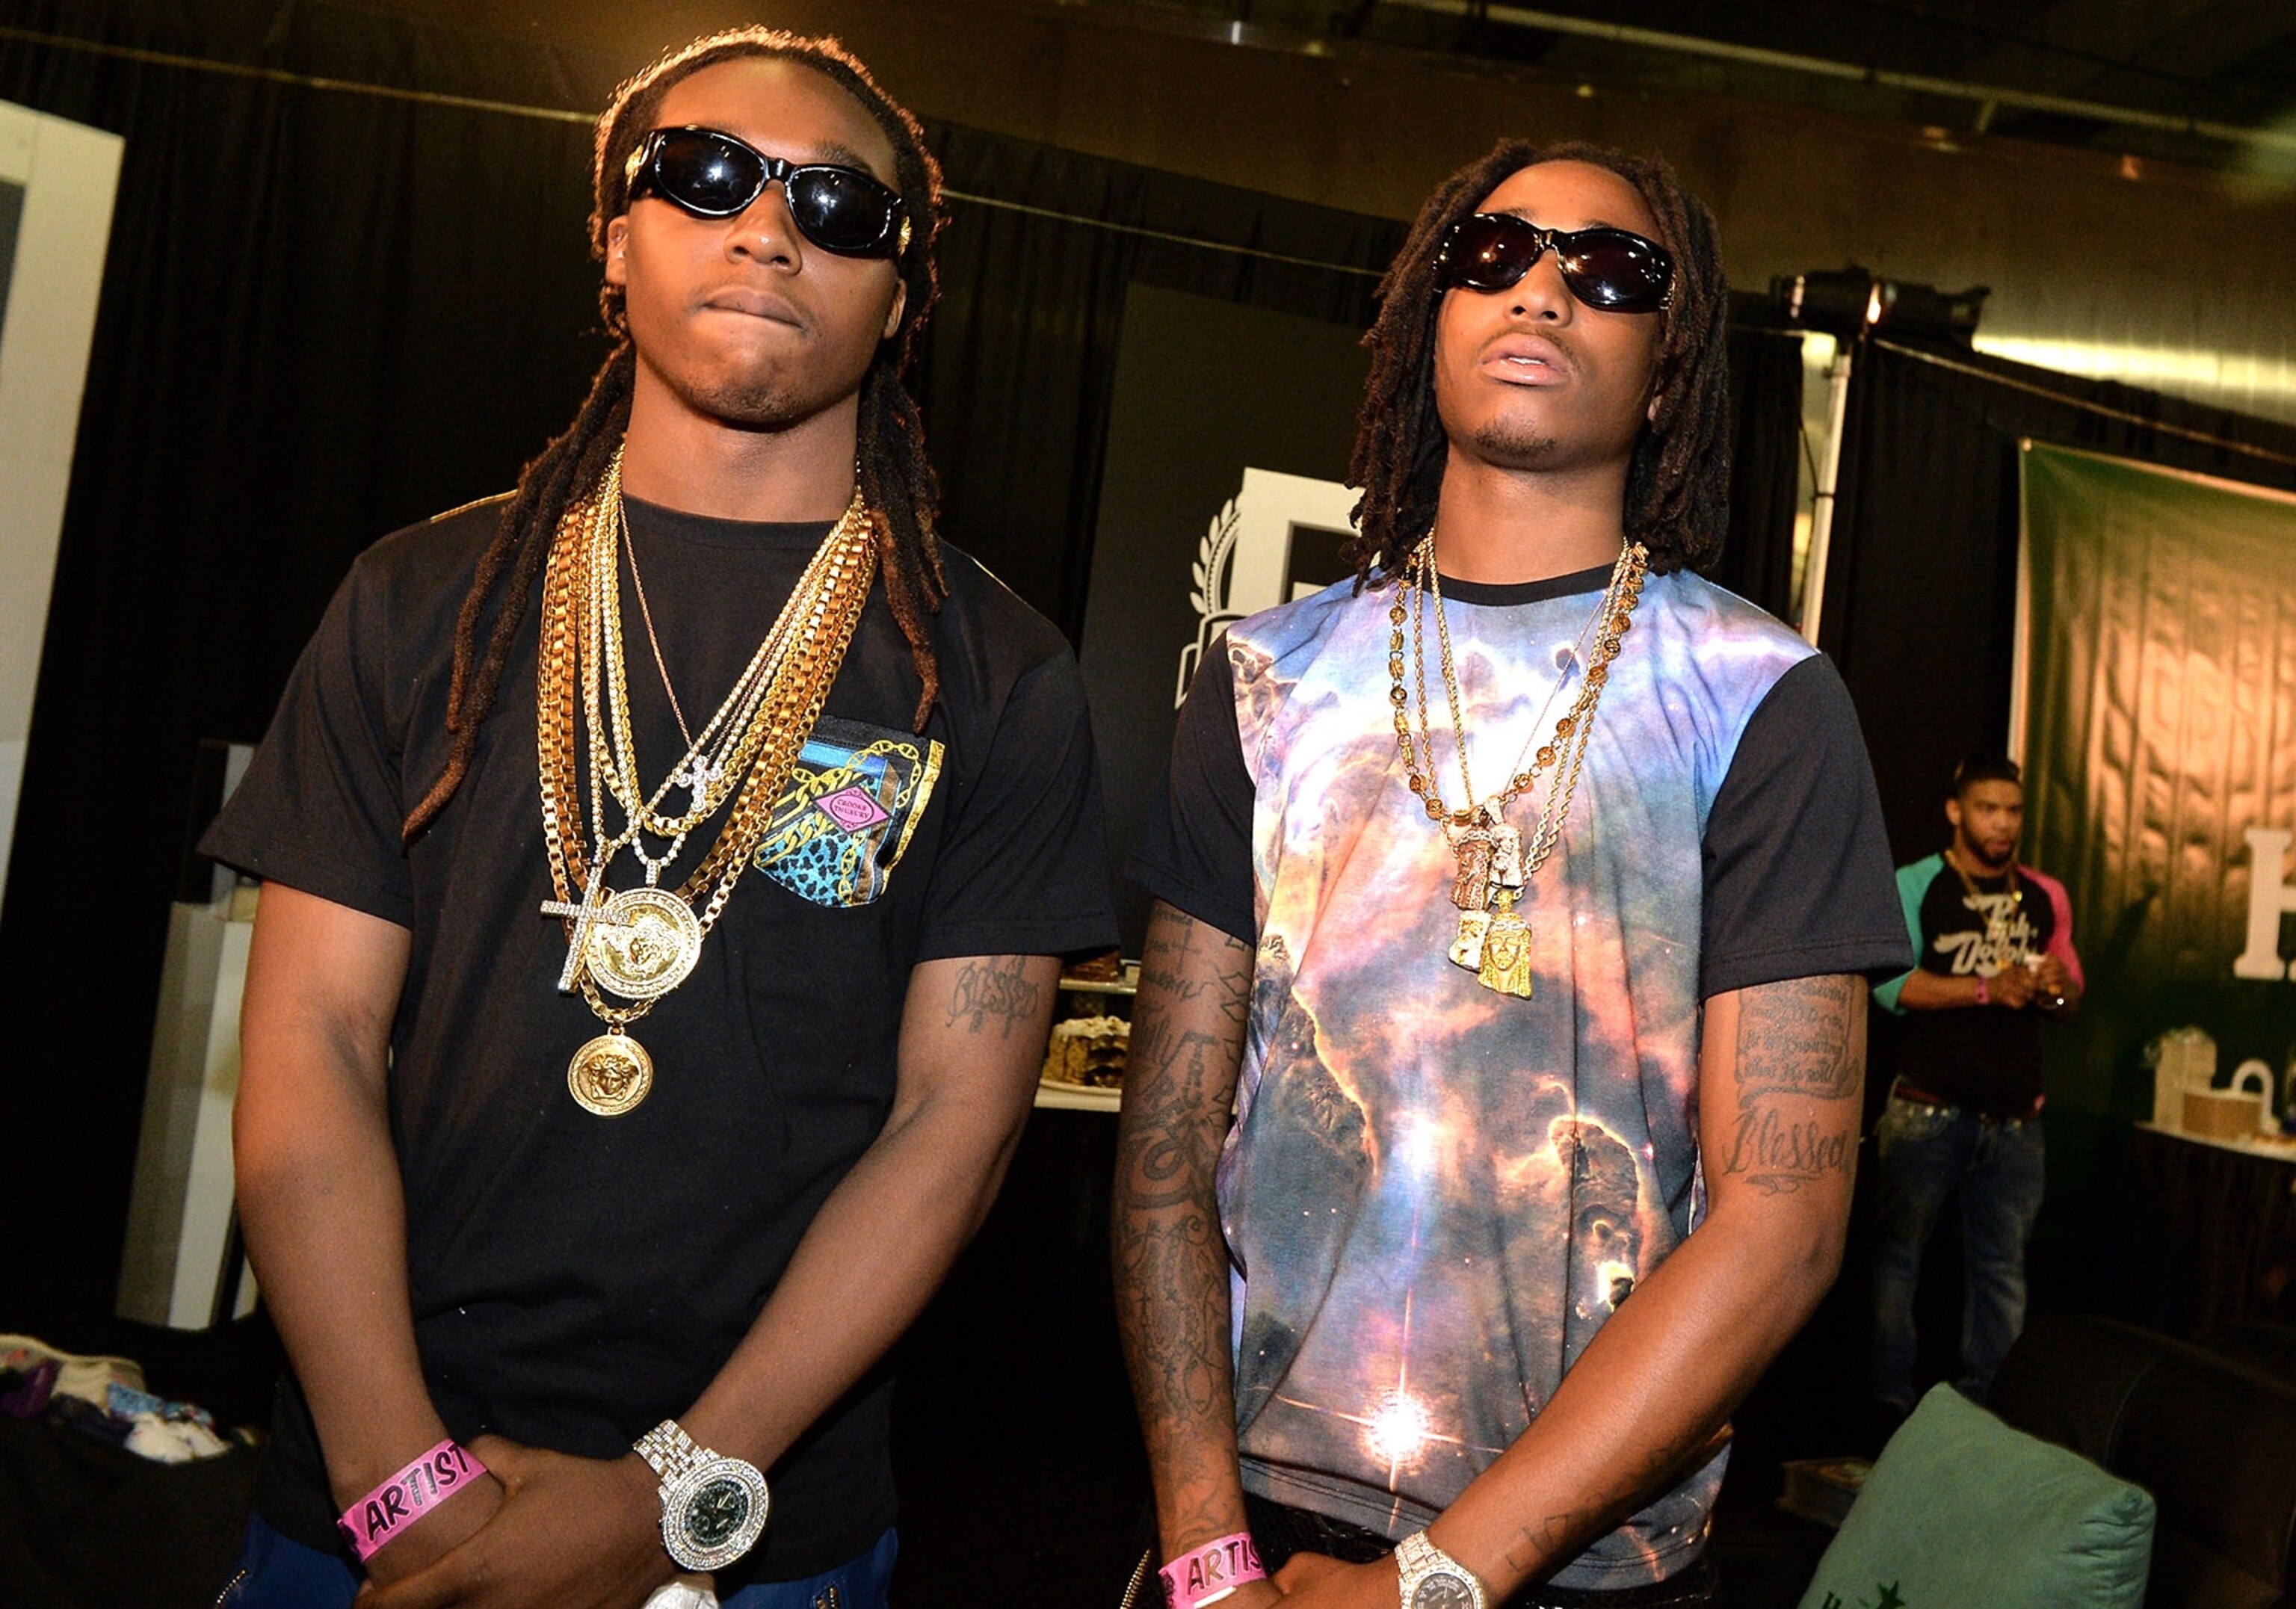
[276, 1573]
[1997, 1165]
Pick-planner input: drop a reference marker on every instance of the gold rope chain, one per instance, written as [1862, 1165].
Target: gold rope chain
[1615, 612]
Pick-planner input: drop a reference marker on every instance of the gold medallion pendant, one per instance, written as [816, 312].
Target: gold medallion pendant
[645, 945]
[610, 1075]
[625, 951]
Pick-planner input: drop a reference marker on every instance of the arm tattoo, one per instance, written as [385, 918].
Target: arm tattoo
[1540, 1544]
[993, 989]
[1170, 1258]
[1796, 1046]
[1201, 964]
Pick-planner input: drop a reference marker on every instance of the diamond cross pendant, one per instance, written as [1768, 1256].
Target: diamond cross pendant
[587, 916]
[700, 777]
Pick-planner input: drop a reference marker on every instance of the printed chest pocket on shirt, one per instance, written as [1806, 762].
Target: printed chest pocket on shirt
[844, 821]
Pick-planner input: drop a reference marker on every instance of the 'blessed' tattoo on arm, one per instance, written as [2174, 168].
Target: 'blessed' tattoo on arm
[1799, 1074]
[993, 990]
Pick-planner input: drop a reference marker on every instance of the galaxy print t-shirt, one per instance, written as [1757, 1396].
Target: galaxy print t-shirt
[1434, 1195]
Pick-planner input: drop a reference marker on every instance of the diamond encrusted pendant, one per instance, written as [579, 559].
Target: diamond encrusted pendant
[645, 945]
[1467, 948]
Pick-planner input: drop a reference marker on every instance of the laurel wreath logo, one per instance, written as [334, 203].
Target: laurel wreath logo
[1208, 580]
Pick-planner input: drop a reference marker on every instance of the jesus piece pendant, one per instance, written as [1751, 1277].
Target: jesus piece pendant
[1507, 856]
[1470, 889]
[610, 1075]
[1505, 963]
[1467, 948]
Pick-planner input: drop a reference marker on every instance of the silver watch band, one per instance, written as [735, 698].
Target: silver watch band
[671, 1452]
[1424, 1568]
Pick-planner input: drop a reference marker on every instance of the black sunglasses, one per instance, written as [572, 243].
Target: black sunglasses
[1615, 270]
[713, 175]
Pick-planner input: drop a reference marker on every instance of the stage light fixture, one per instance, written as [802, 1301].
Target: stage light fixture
[1843, 302]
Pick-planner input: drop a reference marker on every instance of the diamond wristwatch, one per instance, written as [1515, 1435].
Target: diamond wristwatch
[712, 1506]
[1433, 1579]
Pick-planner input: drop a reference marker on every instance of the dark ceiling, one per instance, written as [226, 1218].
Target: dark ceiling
[2209, 82]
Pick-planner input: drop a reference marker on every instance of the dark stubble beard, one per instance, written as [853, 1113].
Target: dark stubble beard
[1502, 442]
[782, 396]
[761, 405]
[1980, 863]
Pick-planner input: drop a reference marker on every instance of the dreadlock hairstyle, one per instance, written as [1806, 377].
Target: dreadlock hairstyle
[1678, 481]
[897, 479]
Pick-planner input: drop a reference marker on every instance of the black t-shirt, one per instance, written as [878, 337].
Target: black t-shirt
[576, 1280]
[1788, 851]
[1984, 1060]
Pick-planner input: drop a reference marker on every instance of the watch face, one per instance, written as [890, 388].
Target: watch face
[710, 1515]
[717, 1512]
[1443, 1591]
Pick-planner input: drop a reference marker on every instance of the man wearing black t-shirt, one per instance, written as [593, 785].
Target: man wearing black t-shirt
[1993, 956]
[625, 1059]
[1495, 1076]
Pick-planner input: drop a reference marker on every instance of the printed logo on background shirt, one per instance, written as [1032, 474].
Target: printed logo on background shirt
[2006, 940]
[844, 821]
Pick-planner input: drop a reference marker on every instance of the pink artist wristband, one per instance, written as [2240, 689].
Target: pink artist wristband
[1207, 1574]
[380, 1516]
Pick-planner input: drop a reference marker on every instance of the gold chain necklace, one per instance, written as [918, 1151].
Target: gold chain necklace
[640, 943]
[2000, 918]
[708, 771]
[645, 613]
[1492, 941]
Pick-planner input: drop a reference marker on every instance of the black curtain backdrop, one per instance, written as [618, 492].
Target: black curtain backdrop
[1766, 380]
[323, 315]
[328, 313]
[1017, 377]
[1920, 612]
[1922, 585]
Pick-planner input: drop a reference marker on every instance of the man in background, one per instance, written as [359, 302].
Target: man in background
[1993, 958]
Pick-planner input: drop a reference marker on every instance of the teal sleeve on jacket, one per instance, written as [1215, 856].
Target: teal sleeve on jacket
[1913, 882]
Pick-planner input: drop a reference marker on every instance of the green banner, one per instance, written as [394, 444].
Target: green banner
[2156, 707]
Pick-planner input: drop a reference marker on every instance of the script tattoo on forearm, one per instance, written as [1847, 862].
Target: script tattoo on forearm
[993, 990]
[1170, 1259]
[1201, 963]
[1796, 1046]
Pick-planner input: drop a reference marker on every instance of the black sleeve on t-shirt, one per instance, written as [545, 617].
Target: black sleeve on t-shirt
[1798, 882]
[1023, 870]
[1195, 839]
[1797, 876]
[320, 807]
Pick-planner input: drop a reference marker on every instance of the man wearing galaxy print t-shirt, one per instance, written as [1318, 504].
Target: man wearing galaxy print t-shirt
[1496, 1072]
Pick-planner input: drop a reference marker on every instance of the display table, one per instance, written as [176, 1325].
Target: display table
[1055, 1095]
[2229, 1207]
[1093, 997]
